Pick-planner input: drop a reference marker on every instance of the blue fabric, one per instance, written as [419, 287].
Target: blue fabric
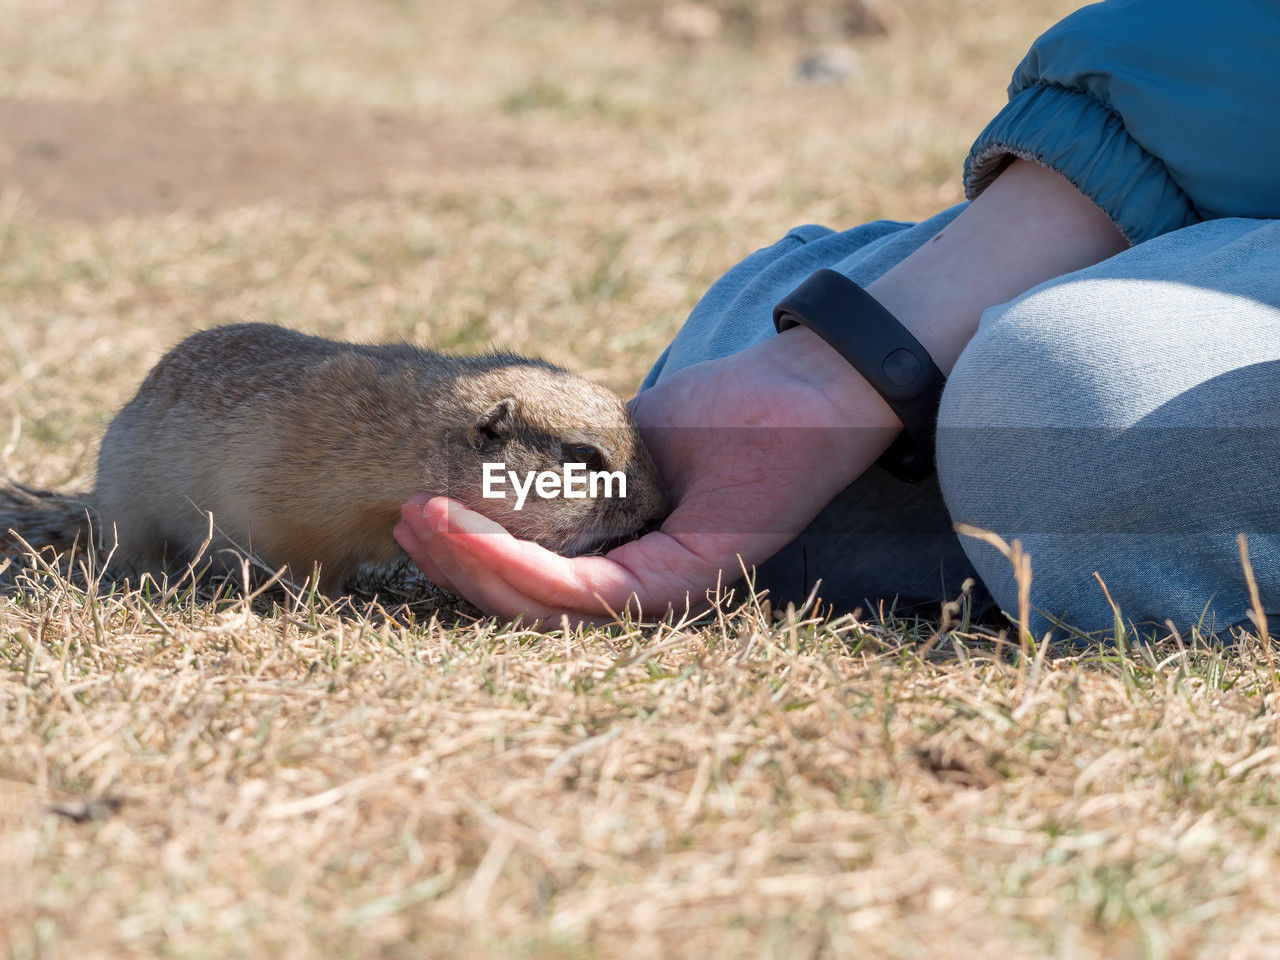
[916, 558]
[732, 315]
[1162, 111]
[1087, 143]
[1123, 420]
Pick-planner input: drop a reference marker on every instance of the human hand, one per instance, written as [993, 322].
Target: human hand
[751, 447]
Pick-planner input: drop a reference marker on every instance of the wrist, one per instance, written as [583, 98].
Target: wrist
[1030, 226]
[804, 355]
[883, 352]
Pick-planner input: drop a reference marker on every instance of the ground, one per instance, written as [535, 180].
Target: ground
[191, 774]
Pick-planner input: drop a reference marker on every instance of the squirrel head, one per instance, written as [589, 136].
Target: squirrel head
[525, 422]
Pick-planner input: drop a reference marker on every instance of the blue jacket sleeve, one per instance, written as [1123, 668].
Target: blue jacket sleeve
[1164, 112]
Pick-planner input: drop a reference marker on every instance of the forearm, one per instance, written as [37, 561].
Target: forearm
[754, 444]
[1030, 225]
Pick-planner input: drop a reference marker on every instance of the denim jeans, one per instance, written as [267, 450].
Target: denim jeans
[1122, 422]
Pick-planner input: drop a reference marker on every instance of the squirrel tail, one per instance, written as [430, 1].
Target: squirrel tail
[42, 518]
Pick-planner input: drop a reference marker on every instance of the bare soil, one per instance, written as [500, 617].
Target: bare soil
[99, 161]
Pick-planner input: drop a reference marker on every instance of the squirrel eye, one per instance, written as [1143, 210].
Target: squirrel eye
[584, 453]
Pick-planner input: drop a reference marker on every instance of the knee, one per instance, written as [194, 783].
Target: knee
[1011, 415]
[1065, 427]
[1027, 404]
[1121, 422]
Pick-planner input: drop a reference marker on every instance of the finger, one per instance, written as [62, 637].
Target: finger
[481, 580]
[585, 585]
[487, 588]
[412, 544]
[467, 575]
[649, 577]
[417, 534]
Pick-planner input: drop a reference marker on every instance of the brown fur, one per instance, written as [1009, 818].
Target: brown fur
[303, 450]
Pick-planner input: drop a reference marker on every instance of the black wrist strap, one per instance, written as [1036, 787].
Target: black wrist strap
[880, 348]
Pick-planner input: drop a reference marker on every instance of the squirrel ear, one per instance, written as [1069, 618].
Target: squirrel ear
[498, 420]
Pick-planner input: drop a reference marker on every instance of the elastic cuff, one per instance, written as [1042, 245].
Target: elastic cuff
[1085, 141]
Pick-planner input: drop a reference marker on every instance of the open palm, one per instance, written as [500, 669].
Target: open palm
[751, 447]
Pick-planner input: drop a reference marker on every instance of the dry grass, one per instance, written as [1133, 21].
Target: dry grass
[214, 777]
[191, 773]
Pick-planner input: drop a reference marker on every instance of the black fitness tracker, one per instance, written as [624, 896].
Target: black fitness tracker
[880, 348]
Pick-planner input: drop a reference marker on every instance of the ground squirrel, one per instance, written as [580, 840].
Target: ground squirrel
[303, 449]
